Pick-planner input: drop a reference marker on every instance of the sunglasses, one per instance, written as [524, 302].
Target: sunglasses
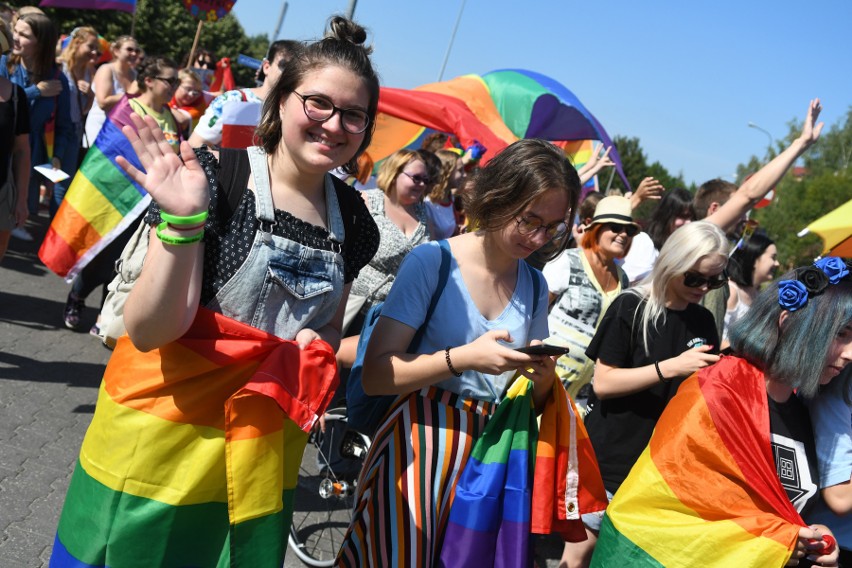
[697, 280]
[631, 230]
[170, 81]
[418, 179]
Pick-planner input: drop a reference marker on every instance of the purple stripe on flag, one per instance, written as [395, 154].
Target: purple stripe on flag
[473, 548]
[122, 5]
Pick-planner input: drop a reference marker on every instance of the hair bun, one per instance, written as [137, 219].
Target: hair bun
[344, 29]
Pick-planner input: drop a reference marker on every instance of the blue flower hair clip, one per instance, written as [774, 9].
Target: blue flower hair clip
[811, 281]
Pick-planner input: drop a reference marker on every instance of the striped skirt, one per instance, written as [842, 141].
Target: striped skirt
[409, 478]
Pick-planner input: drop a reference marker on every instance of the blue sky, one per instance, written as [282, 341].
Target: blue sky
[685, 77]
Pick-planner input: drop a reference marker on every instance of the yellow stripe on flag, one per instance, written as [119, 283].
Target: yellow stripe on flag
[89, 201]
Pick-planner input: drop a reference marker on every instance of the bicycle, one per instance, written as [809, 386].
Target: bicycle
[325, 494]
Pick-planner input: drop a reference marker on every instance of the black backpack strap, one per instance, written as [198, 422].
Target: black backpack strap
[234, 172]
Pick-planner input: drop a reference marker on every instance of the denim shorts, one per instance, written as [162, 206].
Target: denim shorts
[593, 520]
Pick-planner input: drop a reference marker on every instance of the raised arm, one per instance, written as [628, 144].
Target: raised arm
[599, 160]
[164, 300]
[649, 188]
[757, 186]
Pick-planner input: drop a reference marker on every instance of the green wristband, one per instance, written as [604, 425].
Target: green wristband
[170, 240]
[188, 220]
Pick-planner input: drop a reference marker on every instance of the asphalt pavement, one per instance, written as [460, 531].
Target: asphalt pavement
[49, 379]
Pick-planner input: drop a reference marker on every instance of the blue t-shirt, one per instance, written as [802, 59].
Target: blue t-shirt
[831, 416]
[457, 321]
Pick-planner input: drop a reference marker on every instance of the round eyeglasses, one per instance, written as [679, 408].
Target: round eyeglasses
[320, 109]
[528, 226]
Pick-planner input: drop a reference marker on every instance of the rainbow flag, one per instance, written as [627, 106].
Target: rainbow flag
[122, 5]
[705, 491]
[193, 453]
[507, 491]
[100, 203]
[567, 477]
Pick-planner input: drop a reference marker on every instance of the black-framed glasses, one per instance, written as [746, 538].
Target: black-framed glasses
[172, 82]
[319, 109]
[631, 230]
[697, 280]
[419, 179]
[531, 225]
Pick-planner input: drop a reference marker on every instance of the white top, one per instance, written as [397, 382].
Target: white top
[443, 219]
[641, 258]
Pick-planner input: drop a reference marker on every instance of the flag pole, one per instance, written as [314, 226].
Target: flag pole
[195, 43]
[133, 21]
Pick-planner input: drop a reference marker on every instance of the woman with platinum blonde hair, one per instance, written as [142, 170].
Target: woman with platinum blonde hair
[651, 338]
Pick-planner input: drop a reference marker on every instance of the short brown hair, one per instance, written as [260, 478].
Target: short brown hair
[515, 177]
[713, 191]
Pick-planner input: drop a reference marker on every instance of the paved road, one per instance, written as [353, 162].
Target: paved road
[49, 378]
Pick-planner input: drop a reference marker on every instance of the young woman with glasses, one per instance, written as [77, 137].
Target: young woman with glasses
[249, 270]
[446, 391]
[650, 339]
[405, 177]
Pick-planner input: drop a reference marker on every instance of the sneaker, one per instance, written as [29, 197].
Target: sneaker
[22, 234]
[73, 308]
[95, 330]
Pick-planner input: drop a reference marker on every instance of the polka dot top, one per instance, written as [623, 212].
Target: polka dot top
[228, 236]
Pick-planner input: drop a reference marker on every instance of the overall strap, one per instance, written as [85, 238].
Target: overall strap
[262, 189]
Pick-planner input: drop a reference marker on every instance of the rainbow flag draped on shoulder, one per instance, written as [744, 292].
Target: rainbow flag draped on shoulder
[193, 453]
[100, 203]
[705, 491]
[521, 480]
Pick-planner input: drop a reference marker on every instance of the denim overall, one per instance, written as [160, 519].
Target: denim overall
[283, 286]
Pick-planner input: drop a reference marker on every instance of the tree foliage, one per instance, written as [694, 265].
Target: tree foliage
[165, 27]
[823, 186]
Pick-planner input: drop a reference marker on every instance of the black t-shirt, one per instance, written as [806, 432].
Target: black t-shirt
[621, 427]
[22, 126]
[794, 450]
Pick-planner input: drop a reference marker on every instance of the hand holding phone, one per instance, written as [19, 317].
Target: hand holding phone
[544, 349]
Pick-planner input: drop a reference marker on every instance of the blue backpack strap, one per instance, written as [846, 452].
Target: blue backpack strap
[536, 277]
[443, 277]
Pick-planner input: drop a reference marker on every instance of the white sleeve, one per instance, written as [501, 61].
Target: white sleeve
[557, 272]
[640, 260]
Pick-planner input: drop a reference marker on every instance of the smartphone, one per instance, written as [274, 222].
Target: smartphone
[544, 349]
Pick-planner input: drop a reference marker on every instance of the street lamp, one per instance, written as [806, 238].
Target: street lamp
[768, 135]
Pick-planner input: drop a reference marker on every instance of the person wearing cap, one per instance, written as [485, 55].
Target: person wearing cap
[209, 130]
[583, 282]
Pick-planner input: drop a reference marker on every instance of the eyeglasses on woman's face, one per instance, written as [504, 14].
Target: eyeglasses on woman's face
[319, 109]
[692, 279]
[532, 225]
[631, 230]
[419, 179]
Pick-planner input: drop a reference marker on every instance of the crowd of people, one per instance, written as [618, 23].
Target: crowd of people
[716, 395]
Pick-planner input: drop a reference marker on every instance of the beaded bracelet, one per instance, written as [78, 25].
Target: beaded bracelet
[450, 363]
[183, 221]
[170, 240]
[660, 373]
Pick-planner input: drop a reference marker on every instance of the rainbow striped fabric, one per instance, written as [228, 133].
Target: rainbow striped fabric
[100, 203]
[506, 491]
[193, 453]
[705, 491]
[122, 5]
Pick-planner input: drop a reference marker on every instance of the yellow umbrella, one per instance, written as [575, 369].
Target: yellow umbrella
[835, 228]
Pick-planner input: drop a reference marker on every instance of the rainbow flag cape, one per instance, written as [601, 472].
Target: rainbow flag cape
[705, 491]
[193, 453]
[100, 203]
[506, 491]
[122, 5]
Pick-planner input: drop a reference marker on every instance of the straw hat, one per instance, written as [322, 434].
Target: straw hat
[614, 209]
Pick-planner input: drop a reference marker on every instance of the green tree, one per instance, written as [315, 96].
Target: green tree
[165, 27]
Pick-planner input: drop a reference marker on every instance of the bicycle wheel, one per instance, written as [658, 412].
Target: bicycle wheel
[325, 494]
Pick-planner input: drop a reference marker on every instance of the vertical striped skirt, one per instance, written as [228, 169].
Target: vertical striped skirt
[409, 478]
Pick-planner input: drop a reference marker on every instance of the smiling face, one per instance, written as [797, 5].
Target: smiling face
[614, 244]
[409, 186]
[765, 266]
[128, 52]
[549, 210]
[187, 92]
[162, 87]
[24, 43]
[679, 295]
[88, 50]
[317, 147]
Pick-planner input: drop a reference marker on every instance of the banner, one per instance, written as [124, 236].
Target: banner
[209, 10]
[122, 5]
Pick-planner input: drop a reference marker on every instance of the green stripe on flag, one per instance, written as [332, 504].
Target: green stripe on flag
[614, 549]
[107, 177]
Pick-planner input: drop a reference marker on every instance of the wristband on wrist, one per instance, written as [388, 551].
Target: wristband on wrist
[183, 221]
[185, 227]
[450, 363]
[170, 240]
[660, 373]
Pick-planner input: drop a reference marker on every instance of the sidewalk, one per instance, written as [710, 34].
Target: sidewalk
[49, 379]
